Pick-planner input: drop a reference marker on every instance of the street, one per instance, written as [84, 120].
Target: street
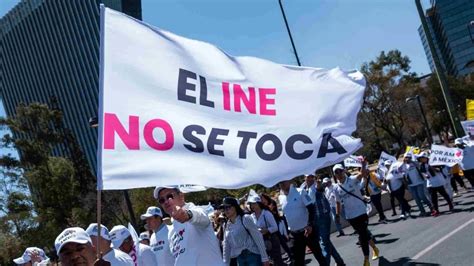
[444, 240]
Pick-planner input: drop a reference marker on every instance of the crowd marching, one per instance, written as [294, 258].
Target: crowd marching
[259, 229]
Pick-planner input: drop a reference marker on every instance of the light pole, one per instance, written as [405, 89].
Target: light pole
[289, 33]
[427, 127]
[94, 123]
[456, 124]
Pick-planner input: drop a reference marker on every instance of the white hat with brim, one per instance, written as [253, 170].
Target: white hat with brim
[326, 180]
[144, 236]
[253, 199]
[150, 212]
[118, 234]
[408, 155]
[337, 167]
[458, 141]
[157, 190]
[71, 235]
[92, 230]
[26, 257]
[423, 155]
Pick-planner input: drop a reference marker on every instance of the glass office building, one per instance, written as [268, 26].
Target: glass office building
[448, 21]
[49, 53]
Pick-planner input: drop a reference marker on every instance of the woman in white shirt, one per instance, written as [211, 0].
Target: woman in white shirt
[267, 225]
[435, 183]
[242, 239]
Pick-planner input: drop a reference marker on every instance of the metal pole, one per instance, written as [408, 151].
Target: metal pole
[130, 208]
[454, 118]
[427, 127]
[99, 212]
[289, 33]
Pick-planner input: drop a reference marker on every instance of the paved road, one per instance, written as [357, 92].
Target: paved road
[444, 240]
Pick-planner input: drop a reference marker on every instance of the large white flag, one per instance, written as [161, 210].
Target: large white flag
[179, 111]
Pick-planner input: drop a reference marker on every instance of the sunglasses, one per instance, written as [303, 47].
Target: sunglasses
[166, 198]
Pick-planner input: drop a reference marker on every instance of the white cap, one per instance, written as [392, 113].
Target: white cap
[423, 155]
[118, 234]
[150, 212]
[337, 167]
[92, 231]
[26, 257]
[254, 199]
[387, 163]
[408, 155]
[326, 180]
[144, 236]
[458, 141]
[157, 190]
[71, 235]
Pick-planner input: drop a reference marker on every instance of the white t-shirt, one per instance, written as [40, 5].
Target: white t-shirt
[159, 244]
[395, 177]
[146, 256]
[330, 193]
[294, 207]
[118, 258]
[413, 173]
[353, 207]
[311, 191]
[436, 180]
[194, 242]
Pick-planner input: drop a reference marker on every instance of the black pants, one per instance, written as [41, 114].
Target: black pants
[434, 196]
[469, 174]
[399, 194]
[377, 201]
[275, 251]
[360, 224]
[457, 178]
[284, 245]
[299, 247]
[392, 204]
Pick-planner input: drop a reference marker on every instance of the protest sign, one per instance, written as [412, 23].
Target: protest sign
[441, 155]
[386, 157]
[353, 161]
[179, 111]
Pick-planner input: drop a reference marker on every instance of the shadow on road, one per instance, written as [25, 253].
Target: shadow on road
[405, 261]
[387, 241]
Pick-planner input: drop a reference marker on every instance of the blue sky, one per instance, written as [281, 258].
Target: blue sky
[327, 33]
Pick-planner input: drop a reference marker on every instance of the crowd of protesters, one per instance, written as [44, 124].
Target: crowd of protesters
[262, 229]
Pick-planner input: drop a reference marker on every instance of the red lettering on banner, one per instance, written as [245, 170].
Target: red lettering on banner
[112, 125]
[264, 101]
[248, 99]
[148, 134]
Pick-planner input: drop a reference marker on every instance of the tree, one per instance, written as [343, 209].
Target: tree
[384, 118]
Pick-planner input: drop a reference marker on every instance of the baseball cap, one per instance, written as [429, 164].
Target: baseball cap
[458, 141]
[229, 201]
[157, 190]
[423, 155]
[326, 180]
[337, 167]
[26, 257]
[71, 235]
[407, 155]
[118, 234]
[92, 231]
[254, 199]
[144, 236]
[150, 212]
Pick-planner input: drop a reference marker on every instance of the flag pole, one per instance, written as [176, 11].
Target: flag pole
[100, 116]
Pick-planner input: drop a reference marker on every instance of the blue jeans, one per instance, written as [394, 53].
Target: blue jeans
[323, 225]
[418, 193]
[247, 258]
[338, 224]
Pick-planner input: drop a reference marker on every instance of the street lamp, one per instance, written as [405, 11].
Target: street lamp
[427, 127]
[94, 123]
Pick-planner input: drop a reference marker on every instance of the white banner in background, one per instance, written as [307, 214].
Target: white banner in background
[180, 111]
[441, 155]
[353, 161]
[384, 157]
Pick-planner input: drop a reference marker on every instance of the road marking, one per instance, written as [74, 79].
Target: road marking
[423, 252]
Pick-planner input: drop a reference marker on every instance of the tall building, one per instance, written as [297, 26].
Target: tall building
[448, 23]
[49, 53]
